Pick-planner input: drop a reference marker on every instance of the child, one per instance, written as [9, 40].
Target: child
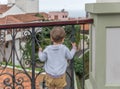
[55, 57]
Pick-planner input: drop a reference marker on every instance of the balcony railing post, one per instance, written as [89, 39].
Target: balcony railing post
[13, 58]
[33, 59]
[83, 80]
[72, 61]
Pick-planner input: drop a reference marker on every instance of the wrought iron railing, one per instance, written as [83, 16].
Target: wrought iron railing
[20, 67]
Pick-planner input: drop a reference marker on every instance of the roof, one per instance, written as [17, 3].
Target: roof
[8, 19]
[45, 15]
[20, 18]
[85, 27]
[4, 8]
[27, 17]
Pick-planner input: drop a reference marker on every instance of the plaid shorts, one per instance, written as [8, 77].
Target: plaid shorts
[58, 82]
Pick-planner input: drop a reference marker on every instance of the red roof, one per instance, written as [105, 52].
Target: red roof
[20, 18]
[4, 8]
[27, 17]
[45, 15]
[85, 26]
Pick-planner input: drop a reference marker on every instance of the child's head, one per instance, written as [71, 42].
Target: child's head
[57, 34]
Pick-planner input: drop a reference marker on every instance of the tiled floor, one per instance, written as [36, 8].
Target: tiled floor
[6, 75]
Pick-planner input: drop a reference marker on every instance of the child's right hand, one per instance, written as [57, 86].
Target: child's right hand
[40, 49]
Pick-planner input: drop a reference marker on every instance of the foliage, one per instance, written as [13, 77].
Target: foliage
[27, 50]
[77, 35]
[72, 35]
[43, 37]
[39, 15]
[78, 64]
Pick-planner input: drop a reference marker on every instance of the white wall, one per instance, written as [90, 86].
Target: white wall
[93, 50]
[29, 6]
[8, 51]
[113, 57]
[1, 54]
[14, 10]
[17, 51]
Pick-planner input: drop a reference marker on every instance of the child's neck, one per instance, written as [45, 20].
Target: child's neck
[54, 43]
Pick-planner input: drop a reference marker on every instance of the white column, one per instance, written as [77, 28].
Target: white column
[104, 48]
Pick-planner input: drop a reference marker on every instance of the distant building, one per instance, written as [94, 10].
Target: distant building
[28, 6]
[58, 15]
[84, 27]
[16, 11]
[19, 7]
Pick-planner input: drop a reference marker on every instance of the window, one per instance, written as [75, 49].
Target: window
[56, 17]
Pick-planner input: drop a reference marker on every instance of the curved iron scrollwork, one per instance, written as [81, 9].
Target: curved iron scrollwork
[8, 62]
[19, 81]
[7, 83]
[23, 56]
[2, 44]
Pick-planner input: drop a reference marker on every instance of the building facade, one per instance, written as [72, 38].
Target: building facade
[16, 11]
[58, 15]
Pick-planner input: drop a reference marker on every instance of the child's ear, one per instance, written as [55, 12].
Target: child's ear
[51, 39]
[63, 39]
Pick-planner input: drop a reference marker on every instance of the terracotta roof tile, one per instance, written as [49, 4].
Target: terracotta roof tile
[44, 14]
[9, 20]
[2, 21]
[86, 27]
[4, 8]
[19, 18]
[26, 17]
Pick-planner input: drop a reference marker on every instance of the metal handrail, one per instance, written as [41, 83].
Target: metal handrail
[47, 23]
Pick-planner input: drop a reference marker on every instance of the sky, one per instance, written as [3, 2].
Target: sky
[3, 1]
[63, 4]
[74, 7]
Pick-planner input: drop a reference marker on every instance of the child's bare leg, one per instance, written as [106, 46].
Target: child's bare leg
[51, 88]
[59, 88]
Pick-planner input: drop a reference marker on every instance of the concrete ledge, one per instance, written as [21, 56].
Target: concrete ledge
[88, 84]
[103, 8]
[75, 81]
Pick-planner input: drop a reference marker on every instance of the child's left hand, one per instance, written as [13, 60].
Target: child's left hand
[73, 44]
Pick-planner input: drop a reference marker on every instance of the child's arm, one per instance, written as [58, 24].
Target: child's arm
[74, 49]
[70, 54]
[74, 46]
[42, 55]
